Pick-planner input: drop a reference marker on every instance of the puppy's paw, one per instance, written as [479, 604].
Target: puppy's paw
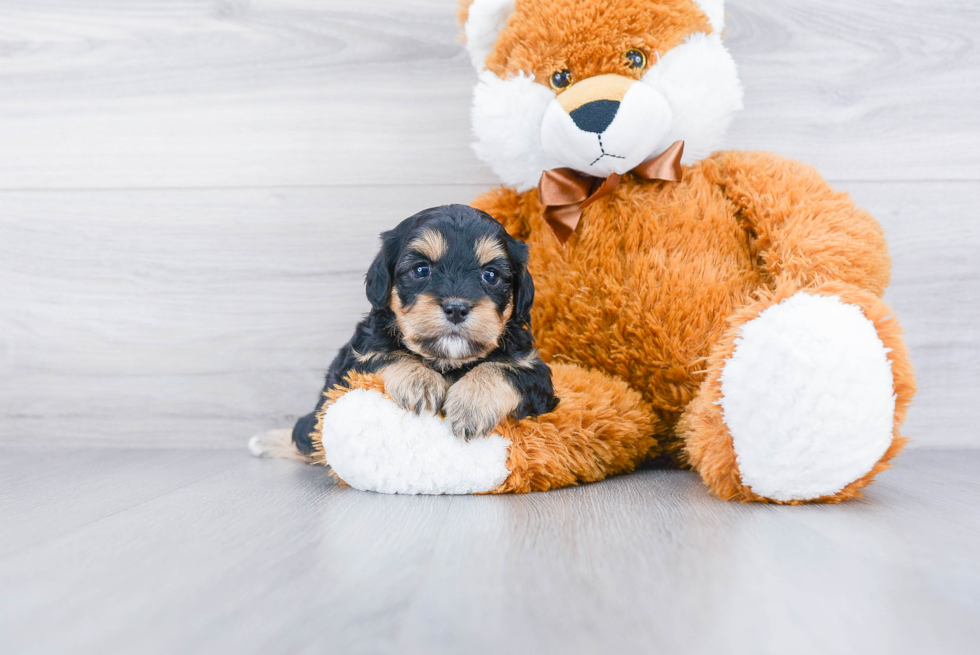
[479, 401]
[414, 386]
[467, 420]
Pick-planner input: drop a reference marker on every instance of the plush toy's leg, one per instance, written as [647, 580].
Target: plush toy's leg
[601, 427]
[803, 397]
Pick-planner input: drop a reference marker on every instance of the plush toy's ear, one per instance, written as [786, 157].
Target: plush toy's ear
[522, 283]
[483, 20]
[715, 11]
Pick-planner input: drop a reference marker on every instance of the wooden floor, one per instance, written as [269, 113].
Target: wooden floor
[211, 551]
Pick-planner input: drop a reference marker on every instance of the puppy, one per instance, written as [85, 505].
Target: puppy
[449, 326]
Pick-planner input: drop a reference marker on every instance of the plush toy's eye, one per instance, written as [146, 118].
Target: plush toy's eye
[561, 79]
[421, 271]
[491, 276]
[636, 59]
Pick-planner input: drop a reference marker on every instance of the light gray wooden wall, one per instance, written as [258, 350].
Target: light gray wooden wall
[190, 190]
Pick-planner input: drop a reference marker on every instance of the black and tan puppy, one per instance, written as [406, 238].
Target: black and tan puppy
[449, 327]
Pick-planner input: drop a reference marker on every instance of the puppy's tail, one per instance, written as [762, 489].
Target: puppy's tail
[277, 444]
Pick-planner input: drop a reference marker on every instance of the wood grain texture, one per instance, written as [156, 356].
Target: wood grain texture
[876, 90]
[934, 235]
[204, 93]
[191, 191]
[270, 556]
[215, 314]
[46, 493]
[211, 316]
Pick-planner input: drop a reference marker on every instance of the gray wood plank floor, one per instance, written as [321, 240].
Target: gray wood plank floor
[175, 551]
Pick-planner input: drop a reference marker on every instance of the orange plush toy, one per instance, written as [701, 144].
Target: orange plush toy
[717, 311]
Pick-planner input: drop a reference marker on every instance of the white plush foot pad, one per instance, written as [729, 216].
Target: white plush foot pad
[374, 445]
[808, 397]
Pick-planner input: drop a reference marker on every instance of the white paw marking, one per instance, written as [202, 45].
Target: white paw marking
[275, 444]
[808, 396]
[374, 445]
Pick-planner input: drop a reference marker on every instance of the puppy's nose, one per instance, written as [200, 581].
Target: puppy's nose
[456, 310]
[595, 116]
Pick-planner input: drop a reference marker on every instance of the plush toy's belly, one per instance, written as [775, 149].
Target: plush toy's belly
[643, 289]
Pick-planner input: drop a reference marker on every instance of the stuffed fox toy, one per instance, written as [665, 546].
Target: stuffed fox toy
[720, 312]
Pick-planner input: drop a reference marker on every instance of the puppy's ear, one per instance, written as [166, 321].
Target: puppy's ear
[522, 282]
[377, 282]
[381, 274]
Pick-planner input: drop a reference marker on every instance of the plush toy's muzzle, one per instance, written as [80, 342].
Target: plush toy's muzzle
[606, 124]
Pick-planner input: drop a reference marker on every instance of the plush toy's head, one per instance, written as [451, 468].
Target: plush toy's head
[599, 86]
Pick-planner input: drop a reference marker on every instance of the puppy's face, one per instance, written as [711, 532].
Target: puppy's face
[454, 277]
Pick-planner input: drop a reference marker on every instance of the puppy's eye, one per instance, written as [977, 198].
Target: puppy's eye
[491, 276]
[421, 271]
[561, 79]
[636, 59]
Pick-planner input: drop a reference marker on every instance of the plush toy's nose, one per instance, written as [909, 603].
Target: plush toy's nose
[595, 116]
[593, 102]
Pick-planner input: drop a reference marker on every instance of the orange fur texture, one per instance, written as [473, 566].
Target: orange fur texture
[658, 276]
[545, 37]
[708, 444]
[638, 313]
[600, 428]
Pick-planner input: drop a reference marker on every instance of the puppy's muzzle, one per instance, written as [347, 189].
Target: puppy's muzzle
[606, 124]
[456, 310]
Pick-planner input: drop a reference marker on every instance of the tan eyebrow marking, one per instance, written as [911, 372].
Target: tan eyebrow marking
[430, 244]
[489, 249]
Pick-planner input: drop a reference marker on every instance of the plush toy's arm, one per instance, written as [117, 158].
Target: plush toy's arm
[805, 232]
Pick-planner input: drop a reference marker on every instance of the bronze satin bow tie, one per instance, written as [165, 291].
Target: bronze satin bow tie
[566, 192]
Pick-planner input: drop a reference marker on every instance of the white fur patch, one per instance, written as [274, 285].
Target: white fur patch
[698, 79]
[507, 116]
[641, 124]
[701, 84]
[276, 444]
[454, 347]
[808, 397]
[374, 445]
[715, 11]
[484, 22]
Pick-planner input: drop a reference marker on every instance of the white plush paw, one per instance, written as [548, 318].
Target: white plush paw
[808, 398]
[374, 445]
